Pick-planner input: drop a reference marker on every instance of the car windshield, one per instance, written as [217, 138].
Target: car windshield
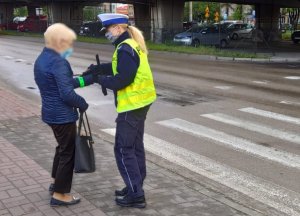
[195, 29]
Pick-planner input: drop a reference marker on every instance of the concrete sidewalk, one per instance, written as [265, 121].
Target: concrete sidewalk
[26, 153]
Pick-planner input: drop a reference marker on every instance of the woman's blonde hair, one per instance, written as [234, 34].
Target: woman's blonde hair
[58, 32]
[136, 35]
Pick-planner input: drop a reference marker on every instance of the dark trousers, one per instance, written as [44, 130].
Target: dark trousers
[63, 163]
[129, 149]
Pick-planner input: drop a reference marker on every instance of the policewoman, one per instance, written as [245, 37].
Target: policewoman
[130, 77]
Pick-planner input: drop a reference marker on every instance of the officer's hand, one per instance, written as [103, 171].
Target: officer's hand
[95, 69]
[90, 70]
[89, 67]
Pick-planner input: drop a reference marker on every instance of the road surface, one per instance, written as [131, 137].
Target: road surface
[232, 125]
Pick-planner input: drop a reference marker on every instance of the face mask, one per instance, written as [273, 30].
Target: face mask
[110, 37]
[67, 53]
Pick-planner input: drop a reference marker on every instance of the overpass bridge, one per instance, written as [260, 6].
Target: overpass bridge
[157, 18]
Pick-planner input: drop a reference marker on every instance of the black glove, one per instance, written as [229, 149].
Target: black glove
[94, 70]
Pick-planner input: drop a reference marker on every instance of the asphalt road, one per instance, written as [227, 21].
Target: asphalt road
[234, 124]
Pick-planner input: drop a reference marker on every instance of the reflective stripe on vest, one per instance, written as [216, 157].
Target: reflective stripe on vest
[141, 92]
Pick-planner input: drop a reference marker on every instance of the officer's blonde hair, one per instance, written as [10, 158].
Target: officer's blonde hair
[58, 32]
[136, 35]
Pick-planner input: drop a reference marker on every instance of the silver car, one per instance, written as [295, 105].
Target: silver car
[203, 35]
[240, 30]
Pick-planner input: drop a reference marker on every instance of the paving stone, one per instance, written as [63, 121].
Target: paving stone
[26, 154]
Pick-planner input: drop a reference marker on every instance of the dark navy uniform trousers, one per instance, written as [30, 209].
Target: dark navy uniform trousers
[129, 149]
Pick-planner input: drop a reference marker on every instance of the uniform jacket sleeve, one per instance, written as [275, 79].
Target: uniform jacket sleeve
[65, 84]
[128, 64]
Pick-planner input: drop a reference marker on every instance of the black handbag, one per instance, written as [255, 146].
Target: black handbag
[84, 152]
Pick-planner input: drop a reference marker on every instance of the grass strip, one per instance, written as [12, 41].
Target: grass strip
[168, 47]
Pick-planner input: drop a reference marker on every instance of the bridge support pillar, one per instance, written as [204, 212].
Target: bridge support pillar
[267, 17]
[167, 19]
[6, 13]
[142, 14]
[70, 14]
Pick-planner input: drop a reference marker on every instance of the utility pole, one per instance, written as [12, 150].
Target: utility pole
[191, 11]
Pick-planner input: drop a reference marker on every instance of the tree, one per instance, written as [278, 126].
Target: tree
[199, 11]
[294, 14]
[90, 13]
[238, 14]
[227, 6]
[21, 12]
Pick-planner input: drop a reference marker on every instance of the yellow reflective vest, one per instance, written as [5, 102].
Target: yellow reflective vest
[142, 91]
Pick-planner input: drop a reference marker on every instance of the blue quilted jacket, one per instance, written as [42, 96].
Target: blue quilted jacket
[54, 77]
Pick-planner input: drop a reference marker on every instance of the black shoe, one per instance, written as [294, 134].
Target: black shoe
[122, 192]
[51, 189]
[55, 202]
[127, 201]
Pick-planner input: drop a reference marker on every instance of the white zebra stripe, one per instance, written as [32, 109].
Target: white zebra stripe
[248, 125]
[259, 189]
[239, 144]
[271, 115]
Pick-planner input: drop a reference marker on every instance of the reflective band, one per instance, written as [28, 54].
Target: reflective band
[81, 82]
[122, 94]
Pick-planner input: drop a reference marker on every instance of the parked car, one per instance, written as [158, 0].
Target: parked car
[203, 35]
[239, 30]
[34, 24]
[13, 25]
[296, 37]
[91, 29]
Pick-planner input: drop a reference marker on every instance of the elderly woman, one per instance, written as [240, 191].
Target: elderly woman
[54, 77]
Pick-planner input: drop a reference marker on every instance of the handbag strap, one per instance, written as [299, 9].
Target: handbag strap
[83, 121]
[80, 124]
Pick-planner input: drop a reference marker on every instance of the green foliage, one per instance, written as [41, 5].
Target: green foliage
[21, 12]
[238, 13]
[199, 11]
[90, 13]
[287, 35]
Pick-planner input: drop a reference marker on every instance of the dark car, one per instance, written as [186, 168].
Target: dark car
[12, 25]
[203, 35]
[91, 29]
[34, 24]
[296, 37]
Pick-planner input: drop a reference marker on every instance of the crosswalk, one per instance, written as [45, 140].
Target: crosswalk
[276, 196]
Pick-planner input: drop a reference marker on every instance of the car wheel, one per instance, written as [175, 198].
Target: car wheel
[223, 44]
[196, 43]
[235, 37]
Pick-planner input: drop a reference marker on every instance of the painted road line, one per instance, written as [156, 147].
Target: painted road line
[8, 57]
[224, 87]
[263, 82]
[101, 103]
[278, 197]
[290, 103]
[248, 125]
[271, 115]
[236, 143]
[20, 60]
[293, 77]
